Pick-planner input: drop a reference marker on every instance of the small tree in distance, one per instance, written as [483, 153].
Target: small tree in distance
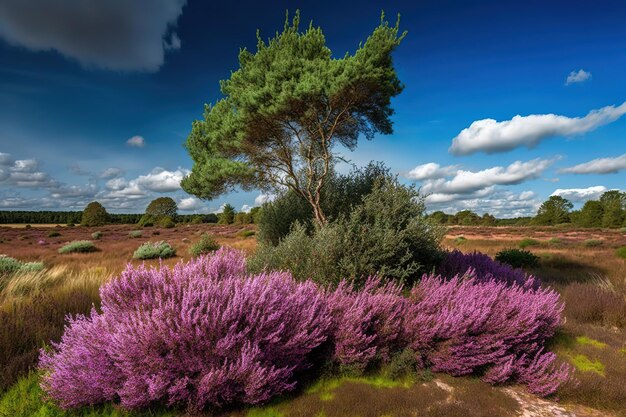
[227, 216]
[94, 215]
[555, 210]
[286, 109]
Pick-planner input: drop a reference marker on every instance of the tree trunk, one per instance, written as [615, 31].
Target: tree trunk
[320, 217]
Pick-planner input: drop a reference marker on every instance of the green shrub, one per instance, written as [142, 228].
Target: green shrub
[524, 243]
[518, 258]
[167, 223]
[622, 230]
[146, 220]
[402, 365]
[387, 234]
[152, 250]
[621, 252]
[78, 246]
[54, 233]
[246, 233]
[97, 235]
[593, 243]
[9, 266]
[206, 244]
[460, 239]
[135, 234]
[555, 241]
[28, 226]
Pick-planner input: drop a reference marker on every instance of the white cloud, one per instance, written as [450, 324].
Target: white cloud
[246, 208]
[581, 194]
[189, 204]
[263, 198]
[6, 159]
[431, 170]
[577, 77]
[136, 142]
[113, 34]
[502, 204]
[598, 166]
[25, 165]
[491, 136]
[116, 184]
[161, 180]
[111, 173]
[464, 182]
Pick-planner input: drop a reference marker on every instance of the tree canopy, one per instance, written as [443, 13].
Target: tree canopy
[162, 207]
[94, 215]
[287, 107]
[554, 210]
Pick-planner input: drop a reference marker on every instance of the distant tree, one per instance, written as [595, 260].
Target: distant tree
[439, 217]
[227, 216]
[488, 220]
[162, 207]
[466, 218]
[591, 214]
[554, 210]
[94, 215]
[287, 107]
[614, 208]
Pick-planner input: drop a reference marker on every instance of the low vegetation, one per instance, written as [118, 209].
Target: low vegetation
[518, 258]
[78, 246]
[205, 245]
[153, 250]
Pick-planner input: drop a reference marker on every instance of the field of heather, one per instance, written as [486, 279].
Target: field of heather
[591, 341]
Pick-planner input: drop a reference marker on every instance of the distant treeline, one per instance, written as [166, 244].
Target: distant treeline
[74, 217]
[609, 211]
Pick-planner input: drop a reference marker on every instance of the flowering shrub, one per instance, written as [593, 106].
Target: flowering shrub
[483, 269]
[462, 326]
[201, 334]
[206, 334]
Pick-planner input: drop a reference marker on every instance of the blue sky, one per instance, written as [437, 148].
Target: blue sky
[77, 83]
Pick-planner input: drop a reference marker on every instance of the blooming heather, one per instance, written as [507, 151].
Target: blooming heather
[484, 269]
[205, 334]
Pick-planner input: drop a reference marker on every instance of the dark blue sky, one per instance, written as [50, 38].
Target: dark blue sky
[77, 83]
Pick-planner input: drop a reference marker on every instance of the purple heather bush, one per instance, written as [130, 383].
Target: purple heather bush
[199, 335]
[205, 334]
[484, 268]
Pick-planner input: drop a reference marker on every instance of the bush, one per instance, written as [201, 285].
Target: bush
[167, 223]
[146, 220]
[78, 246]
[621, 252]
[482, 268]
[54, 233]
[10, 266]
[200, 335]
[94, 215]
[153, 250]
[593, 243]
[524, 243]
[205, 245]
[246, 233]
[518, 258]
[207, 334]
[135, 234]
[460, 239]
[387, 234]
[97, 235]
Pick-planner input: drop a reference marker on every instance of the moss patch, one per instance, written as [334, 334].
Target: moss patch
[584, 364]
[584, 340]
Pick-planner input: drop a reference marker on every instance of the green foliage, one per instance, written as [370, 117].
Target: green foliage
[9, 266]
[555, 241]
[526, 242]
[152, 250]
[584, 364]
[94, 215]
[54, 233]
[135, 234]
[97, 235]
[593, 243]
[614, 207]
[555, 210]
[591, 214]
[259, 134]
[518, 258]
[167, 223]
[162, 207]
[403, 365]
[227, 216]
[387, 234]
[78, 246]
[621, 252]
[460, 240]
[147, 220]
[206, 244]
[246, 233]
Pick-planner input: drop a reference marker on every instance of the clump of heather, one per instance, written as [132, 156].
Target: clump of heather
[483, 268]
[201, 334]
[464, 326]
[368, 323]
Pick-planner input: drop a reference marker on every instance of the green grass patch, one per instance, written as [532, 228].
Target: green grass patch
[621, 252]
[460, 239]
[524, 243]
[246, 233]
[584, 364]
[324, 387]
[584, 340]
[135, 234]
[267, 411]
[593, 243]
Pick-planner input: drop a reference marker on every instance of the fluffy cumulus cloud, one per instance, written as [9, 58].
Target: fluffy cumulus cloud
[431, 170]
[112, 172]
[499, 203]
[491, 136]
[263, 198]
[113, 34]
[577, 77]
[23, 173]
[464, 182]
[598, 166]
[581, 194]
[136, 142]
[190, 204]
[161, 180]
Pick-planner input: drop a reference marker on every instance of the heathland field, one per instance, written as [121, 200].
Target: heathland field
[581, 264]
